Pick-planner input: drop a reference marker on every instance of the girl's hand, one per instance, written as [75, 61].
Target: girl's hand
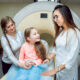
[46, 61]
[29, 63]
[28, 66]
[49, 73]
[32, 63]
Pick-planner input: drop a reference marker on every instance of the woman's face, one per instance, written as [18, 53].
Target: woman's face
[58, 18]
[34, 36]
[10, 27]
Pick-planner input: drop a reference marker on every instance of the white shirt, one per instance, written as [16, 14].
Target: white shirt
[15, 42]
[66, 50]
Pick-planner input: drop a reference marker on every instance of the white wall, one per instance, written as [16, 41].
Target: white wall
[74, 5]
[42, 0]
[10, 9]
[75, 8]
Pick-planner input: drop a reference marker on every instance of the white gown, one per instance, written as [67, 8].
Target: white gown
[66, 50]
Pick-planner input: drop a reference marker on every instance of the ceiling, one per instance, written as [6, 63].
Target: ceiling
[7, 1]
[70, 1]
[63, 1]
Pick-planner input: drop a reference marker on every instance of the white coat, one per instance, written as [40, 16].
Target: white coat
[66, 50]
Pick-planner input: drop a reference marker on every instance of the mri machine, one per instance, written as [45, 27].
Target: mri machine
[39, 15]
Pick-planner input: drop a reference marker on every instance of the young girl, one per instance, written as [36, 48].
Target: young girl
[33, 54]
[32, 50]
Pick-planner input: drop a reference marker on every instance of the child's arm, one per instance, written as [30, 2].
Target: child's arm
[22, 57]
[22, 54]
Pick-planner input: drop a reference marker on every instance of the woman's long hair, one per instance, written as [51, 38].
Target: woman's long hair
[4, 22]
[39, 47]
[66, 13]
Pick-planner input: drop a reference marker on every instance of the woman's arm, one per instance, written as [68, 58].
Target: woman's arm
[54, 71]
[8, 51]
[72, 49]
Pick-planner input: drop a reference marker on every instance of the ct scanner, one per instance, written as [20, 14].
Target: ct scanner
[39, 15]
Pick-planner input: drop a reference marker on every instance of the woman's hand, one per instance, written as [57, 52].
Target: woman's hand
[49, 73]
[46, 61]
[23, 65]
[53, 72]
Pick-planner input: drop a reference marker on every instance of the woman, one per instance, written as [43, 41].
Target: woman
[11, 42]
[66, 45]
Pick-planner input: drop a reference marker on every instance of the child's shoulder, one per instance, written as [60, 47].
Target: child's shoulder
[25, 44]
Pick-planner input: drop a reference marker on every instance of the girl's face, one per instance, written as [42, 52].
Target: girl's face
[10, 27]
[34, 36]
[58, 18]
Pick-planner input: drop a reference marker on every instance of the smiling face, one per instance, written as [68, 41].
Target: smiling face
[58, 18]
[34, 36]
[10, 27]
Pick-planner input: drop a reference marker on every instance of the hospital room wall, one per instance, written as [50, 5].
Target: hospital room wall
[10, 9]
[75, 7]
